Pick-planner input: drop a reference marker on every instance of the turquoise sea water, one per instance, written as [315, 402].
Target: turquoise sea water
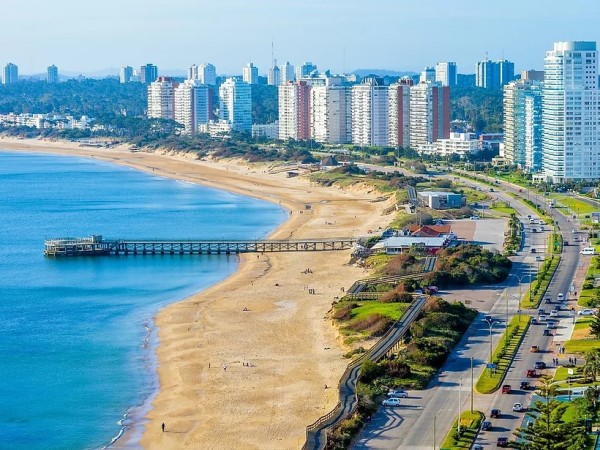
[74, 333]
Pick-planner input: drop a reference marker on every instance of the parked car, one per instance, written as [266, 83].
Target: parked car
[400, 393]
[547, 332]
[525, 385]
[586, 312]
[486, 425]
[506, 389]
[474, 217]
[391, 402]
[517, 407]
[540, 365]
[495, 413]
[502, 441]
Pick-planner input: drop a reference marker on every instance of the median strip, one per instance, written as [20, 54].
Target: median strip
[469, 427]
[533, 297]
[506, 349]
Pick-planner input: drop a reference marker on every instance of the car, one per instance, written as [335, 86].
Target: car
[495, 413]
[391, 402]
[565, 243]
[506, 389]
[560, 297]
[525, 385]
[538, 259]
[547, 332]
[547, 300]
[474, 217]
[531, 373]
[534, 349]
[486, 425]
[517, 407]
[573, 230]
[550, 325]
[502, 441]
[534, 230]
[541, 222]
[586, 312]
[488, 318]
[534, 321]
[529, 216]
[477, 447]
[400, 393]
[533, 250]
[554, 313]
[541, 311]
[491, 189]
[542, 317]
[540, 365]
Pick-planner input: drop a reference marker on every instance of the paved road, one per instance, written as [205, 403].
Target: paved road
[412, 425]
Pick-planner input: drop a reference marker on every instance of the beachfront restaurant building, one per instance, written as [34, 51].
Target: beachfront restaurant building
[401, 244]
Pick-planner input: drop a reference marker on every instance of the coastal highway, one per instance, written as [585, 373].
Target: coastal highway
[412, 424]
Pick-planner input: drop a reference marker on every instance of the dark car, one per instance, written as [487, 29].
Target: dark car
[548, 300]
[495, 413]
[540, 365]
[534, 321]
[525, 385]
[502, 442]
[533, 250]
[547, 332]
[486, 425]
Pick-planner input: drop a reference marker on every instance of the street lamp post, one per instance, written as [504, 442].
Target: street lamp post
[472, 385]
[490, 323]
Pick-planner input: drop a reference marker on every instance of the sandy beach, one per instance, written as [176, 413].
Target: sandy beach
[232, 378]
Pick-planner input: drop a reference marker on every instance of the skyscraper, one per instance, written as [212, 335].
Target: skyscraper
[294, 111]
[161, 99]
[399, 113]
[250, 74]
[429, 113]
[52, 76]
[11, 74]
[445, 73]
[286, 73]
[370, 112]
[305, 70]
[571, 112]
[235, 104]
[494, 74]
[148, 73]
[193, 72]
[523, 124]
[427, 74]
[126, 74]
[331, 114]
[193, 105]
[274, 76]
[207, 74]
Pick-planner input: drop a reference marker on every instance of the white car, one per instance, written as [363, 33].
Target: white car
[391, 402]
[586, 312]
[517, 407]
[400, 393]
[560, 297]
[474, 217]
[553, 313]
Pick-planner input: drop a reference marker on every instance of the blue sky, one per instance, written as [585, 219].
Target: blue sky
[342, 35]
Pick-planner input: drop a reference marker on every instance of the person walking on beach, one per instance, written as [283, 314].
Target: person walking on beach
[163, 427]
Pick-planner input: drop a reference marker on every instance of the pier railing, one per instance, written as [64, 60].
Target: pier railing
[97, 246]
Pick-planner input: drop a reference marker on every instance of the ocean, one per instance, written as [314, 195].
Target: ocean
[77, 334]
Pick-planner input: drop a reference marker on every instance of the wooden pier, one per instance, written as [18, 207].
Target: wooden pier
[97, 246]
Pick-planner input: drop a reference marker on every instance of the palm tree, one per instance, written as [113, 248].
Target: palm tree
[592, 364]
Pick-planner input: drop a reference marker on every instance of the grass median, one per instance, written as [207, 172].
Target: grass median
[533, 297]
[469, 426]
[505, 351]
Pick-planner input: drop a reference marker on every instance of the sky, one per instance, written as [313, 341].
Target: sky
[341, 35]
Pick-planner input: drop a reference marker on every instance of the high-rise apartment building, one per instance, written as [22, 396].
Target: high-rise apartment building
[427, 74]
[148, 73]
[494, 74]
[445, 73]
[52, 74]
[161, 99]
[250, 74]
[193, 105]
[305, 70]
[429, 113]
[532, 75]
[522, 101]
[235, 104]
[294, 111]
[330, 114]
[399, 113]
[126, 74]
[286, 73]
[369, 107]
[192, 72]
[571, 112]
[207, 74]
[274, 76]
[11, 74]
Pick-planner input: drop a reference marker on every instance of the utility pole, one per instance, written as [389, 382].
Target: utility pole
[472, 385]
[458, 421]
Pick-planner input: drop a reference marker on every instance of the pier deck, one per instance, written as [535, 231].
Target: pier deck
[97, 246]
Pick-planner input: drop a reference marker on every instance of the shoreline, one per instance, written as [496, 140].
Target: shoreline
[267, 362]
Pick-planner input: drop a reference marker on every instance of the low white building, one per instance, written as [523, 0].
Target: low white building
[461, 144]
[401, 244]
[216, 129]
[267, 131]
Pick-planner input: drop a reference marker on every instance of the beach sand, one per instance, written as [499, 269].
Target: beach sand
[235, 379]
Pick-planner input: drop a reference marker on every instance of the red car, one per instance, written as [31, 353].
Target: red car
[532, 373]
[506, 389]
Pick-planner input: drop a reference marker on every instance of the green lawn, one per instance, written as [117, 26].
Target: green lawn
[578, 206]
[587, 295]
[581, 345]
[470, 426]
[392, 310]
[489, 382]
[583, 323]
